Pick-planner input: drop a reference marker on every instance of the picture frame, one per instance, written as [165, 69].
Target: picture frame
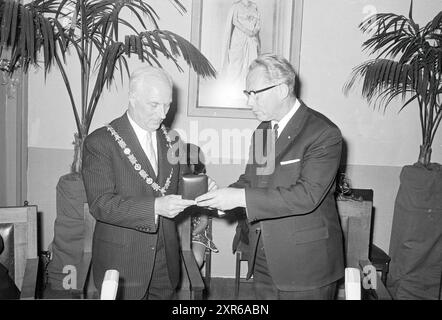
[280, 30]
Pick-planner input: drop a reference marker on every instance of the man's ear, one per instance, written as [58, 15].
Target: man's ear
[284, 90]
[131, 101]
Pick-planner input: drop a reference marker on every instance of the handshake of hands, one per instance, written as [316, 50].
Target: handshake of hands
[221, 199]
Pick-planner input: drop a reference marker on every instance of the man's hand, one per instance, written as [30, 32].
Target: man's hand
[223, 199]
[170, 206]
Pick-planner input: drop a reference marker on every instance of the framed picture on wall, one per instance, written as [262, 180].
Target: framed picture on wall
[231, 34]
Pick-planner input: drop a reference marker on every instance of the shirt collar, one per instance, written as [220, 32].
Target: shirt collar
[283, 122]
[140, 132]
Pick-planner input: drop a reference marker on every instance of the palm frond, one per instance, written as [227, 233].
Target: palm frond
[26, 32]
[146, 46]
[179, 6]
[416, 74]
[382, 77]
[189, 52]
[104, 16]
[105, 76]
[8, 9]
[42, 32]
[436, 22]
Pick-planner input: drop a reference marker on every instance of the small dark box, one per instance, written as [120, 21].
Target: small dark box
[193, 186]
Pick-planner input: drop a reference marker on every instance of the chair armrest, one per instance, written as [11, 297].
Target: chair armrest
[380, 290]
[193, 273]
[83, 272]
[29, 280]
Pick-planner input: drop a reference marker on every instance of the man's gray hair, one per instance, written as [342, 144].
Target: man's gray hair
[138, 77]
[277, 69]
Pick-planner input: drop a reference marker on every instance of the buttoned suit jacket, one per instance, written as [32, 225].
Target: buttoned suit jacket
[122, 203]
[293, 207]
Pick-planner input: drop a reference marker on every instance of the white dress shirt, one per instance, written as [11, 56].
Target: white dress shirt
[283, 122]
[141, 135]
[142, 138]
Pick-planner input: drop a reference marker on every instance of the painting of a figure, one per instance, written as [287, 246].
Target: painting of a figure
[241, 43]
[231, 34]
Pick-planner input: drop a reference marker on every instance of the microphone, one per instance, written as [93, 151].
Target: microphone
[110, 285]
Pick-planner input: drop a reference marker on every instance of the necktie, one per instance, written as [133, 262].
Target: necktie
[275, 130]
[151, 153]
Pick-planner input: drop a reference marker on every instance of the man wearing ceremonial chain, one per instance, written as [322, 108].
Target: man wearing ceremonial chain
[132, 191]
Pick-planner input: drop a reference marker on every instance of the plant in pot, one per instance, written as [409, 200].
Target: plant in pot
[43, 33]
[408, 65]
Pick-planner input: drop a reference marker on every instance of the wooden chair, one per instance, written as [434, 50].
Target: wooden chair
[192, 284]
[356, 217]
[206, 269]
[21, 224]
[241, 254]
[240, 248]
[208, 260]
[85, 276]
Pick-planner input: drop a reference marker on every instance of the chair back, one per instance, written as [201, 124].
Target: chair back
[18, 227]
[192, 285]
[355, 216]
[89, 226]
[85, 275]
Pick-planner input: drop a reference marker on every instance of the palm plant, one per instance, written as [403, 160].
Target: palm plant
[408, 65]
[89, 28]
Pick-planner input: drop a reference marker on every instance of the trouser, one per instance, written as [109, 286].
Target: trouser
[160, 287]
[265, 289]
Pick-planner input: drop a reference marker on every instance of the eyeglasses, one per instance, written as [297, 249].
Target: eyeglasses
[254, 92]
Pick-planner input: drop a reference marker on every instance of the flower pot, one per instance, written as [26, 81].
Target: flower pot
[416, 237]
[69, 229]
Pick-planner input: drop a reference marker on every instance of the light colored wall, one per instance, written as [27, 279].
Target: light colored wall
[12, 148]
[378, 144]
[331, 47]
[51, 124]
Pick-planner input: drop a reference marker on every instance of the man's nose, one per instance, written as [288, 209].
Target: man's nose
[161, 112]
[251, 101]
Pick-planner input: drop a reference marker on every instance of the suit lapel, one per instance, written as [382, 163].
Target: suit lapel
[164, 166]
[291, 130]
[125, 130]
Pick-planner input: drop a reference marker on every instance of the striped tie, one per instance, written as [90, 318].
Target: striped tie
[151, 153]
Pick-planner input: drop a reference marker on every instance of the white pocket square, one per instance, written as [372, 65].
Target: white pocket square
[283, 163]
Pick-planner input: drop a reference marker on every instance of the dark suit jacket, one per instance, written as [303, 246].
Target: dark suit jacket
[125, 234]
[294, 206]
[8, 289]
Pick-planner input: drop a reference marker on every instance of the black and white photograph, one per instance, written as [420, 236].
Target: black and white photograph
[219, 157]
[231, 34]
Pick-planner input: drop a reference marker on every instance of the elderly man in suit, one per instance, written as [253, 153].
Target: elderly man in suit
[288, 190]
[132, 186]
